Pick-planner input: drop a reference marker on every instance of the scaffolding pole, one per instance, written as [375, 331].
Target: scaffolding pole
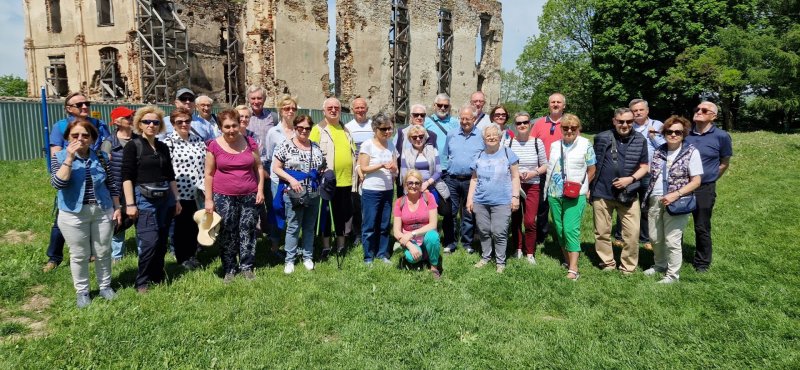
[445, 46]
[163, 50]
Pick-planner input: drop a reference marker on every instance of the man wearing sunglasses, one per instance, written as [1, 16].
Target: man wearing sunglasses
[622, 162]
[76, 106]
[716, 148]
[441, 123]
[548, 130]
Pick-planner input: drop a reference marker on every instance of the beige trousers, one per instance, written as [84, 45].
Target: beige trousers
[629, 216]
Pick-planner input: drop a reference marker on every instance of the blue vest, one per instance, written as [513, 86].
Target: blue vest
[70, 199]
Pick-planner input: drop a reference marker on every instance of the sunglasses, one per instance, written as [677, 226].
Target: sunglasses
[520, 123]
[623, 122]
[80, 104]
[417, 137]
[500, 115]
[385, 129]
[418, 115]
[289, 109]
[181, 122]
[673, 132]
[442, 106]
[569, 128]
[186, 99]
[413, 183]
[81, 135]
[302, 128]
[148, 122]
[335, 109]
[703, 110]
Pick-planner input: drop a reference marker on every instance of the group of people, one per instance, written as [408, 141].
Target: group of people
[291, 179]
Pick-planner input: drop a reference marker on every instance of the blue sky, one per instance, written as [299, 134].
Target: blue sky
[519, 17]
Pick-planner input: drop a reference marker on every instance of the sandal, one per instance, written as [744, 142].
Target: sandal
[577, 275]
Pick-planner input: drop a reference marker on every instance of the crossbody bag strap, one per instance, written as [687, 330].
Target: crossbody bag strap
[664, 177]
[440, 127]
[614, 158]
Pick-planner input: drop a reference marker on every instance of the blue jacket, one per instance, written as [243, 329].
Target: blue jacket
[70, 198]
[278, 206]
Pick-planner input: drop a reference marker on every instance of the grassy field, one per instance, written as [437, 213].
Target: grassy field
[744, 313]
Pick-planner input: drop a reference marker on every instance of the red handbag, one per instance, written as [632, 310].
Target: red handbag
[572, 189]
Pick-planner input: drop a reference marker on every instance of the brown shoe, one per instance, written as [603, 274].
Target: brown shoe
[648, 246]
[618, 243]
[50, 266]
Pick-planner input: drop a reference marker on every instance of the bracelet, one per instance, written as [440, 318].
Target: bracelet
[515, 196]
[634, 178]
[67, 164]
[131, 205]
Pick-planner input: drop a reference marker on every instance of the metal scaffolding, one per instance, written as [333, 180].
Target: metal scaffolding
[112, 85]
[56, 77]
[232, 61]
[163, 50]
[445, 46]
[399, 45]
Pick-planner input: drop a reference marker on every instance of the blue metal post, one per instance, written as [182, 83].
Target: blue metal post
[46, 123]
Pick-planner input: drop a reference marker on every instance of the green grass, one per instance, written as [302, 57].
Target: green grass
[745, 313]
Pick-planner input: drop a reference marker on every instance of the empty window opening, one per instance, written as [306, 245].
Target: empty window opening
[54, 16]
[482, 38]
[105, 16]
[56, 74]
[332, 44]
[112, 84]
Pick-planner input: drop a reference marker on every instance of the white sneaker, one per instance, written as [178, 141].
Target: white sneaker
[668, 280]
[519, 253]
[531, 259]
[309, 264]
[288, 269]
[649, 272]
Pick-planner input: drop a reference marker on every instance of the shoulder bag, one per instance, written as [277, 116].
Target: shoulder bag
[572, 189]
[683, 205]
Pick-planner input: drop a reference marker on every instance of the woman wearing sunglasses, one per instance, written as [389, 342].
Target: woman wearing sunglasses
[676, 171]
[378, 162]
[421, 156]
[571, 169]
[414, 226]
[88, 199]
[151, 193]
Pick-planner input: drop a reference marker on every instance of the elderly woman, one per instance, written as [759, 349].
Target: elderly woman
[532, 164]
[234, 183]
[414, 226]
[571, 168]
[151, 193]
[676, 172]
[187, 150]
[87, 200]
[298, 163]
[378, 162]
[493, 195]
[283, 131]
[421, 156]
[244, 121]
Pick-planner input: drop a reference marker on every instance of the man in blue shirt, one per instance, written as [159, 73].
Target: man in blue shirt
[651, 131]
[77, 106]
[716, 148]
[441, 123]
[462, 146]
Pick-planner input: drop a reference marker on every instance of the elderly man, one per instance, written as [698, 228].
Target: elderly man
[622, 162]
[205, 122]
[360, 128]
[338, 147]
[478, 100]
[716, 148]
[76, 106]
[462, 147]
[184, 98]
[651, 131]
[441, 123]
[548, 130]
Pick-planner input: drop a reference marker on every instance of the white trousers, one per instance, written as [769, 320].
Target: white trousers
[666, 232]
[86, 232]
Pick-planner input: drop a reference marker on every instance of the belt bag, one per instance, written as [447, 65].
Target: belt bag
[684, 205]
[154, 190]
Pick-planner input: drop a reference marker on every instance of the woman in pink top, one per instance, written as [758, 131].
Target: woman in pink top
[234, 186]
[414, 224]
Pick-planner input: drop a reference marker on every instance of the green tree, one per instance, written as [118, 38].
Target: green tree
[11, 85]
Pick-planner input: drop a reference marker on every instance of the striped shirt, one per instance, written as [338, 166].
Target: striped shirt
[531, 156]
[88, 192]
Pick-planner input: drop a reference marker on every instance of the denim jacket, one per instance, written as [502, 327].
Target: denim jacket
[70, 198]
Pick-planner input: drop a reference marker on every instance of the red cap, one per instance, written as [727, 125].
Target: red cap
[119, 112]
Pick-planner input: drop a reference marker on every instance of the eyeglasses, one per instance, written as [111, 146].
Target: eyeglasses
[520, 123]
[417, 137]
[290, 109]
[413, 183]
[84, 135]
[673, 132]
[335, 109]
[385, 129]
[80, 104]
[442, 106]
[624, 122]
[181, 122]
[186, 98]
[418, 115]
[478, 101]
[302, 128]
[500, 115]
[703, 110]
[148, 122]
[492, 138]
[569, 128]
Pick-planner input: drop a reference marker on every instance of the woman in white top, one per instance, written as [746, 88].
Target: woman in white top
[532, 164]
[676, 171]
[283, 131]
[571, 169]
[378, 161]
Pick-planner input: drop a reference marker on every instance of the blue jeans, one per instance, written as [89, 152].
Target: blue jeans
[376, 213]
[300, 219]
[55, 250]
[118, 245]
[152, 229]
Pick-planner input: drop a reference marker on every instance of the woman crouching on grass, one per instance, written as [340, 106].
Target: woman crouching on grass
[234, 186]
[87, 201]
[414, 226]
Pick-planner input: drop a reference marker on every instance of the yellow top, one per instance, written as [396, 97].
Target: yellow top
[342, 153]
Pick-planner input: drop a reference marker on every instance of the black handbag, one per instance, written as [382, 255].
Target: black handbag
[630, 193]
[684, 205]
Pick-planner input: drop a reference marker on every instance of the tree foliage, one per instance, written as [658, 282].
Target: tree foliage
[11, 85]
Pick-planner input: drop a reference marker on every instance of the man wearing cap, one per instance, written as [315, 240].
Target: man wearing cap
[185, 98]
[121, 120]
[76, 106]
